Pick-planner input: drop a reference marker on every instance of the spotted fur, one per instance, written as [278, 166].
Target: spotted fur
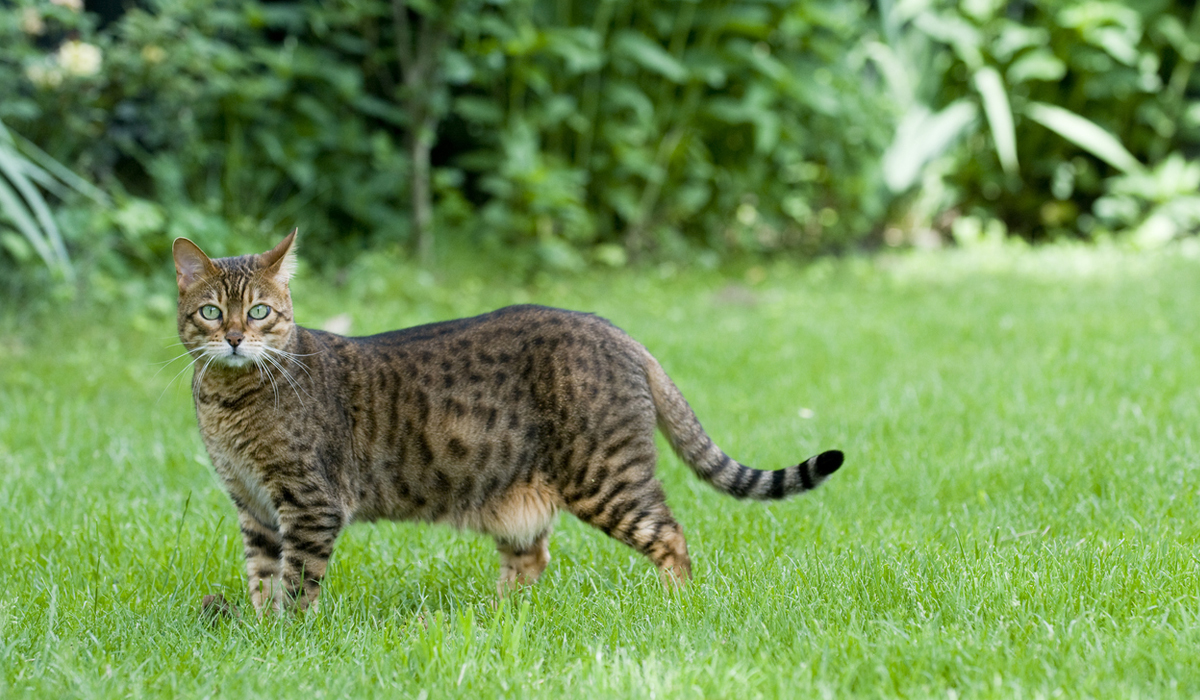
[495, 423]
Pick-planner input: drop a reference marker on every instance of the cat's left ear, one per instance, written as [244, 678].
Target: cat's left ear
[280, 261]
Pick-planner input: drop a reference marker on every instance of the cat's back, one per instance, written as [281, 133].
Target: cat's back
[518, 358]
[525, 325]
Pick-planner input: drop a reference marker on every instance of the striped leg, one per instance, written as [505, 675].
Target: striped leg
[644, 522]
[264, 566]
[619, 495]
[309, 531]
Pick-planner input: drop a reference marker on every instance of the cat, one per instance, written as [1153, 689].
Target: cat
[494, 423]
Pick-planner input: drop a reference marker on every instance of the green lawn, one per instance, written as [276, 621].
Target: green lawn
[1017, 515]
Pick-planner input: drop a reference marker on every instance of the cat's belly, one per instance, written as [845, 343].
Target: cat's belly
[518, 515]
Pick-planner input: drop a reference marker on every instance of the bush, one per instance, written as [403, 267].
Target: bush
[588, 133]
[1076, 96]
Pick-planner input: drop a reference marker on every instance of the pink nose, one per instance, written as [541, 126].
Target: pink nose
[234, 338]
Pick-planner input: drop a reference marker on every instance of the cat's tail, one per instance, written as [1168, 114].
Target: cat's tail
[687, 437]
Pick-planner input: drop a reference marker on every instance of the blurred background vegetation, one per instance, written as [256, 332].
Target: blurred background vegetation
[548, 134]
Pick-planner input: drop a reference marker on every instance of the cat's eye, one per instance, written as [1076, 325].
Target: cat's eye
[259, 311]
[210, 312]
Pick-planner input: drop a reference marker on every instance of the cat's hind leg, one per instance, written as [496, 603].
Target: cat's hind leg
[521, 520]
[620, 496]
[520, 564]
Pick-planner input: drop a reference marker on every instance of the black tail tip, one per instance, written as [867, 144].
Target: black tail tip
[829, 462]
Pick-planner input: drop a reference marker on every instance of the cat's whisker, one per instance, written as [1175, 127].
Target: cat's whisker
[297, 354]
[266, 361]
[168, 386]
[287, 375]
[200, 375]
[259, 364]
[288, 356]
[292, 357]
[164, 363]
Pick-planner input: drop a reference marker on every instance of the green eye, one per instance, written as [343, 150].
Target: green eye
[259, 311]
[210, 312]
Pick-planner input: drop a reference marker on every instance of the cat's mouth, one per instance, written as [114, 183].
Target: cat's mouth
[233, 357]
[236, 359]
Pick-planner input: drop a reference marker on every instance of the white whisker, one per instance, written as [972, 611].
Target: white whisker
[274, 387]
[288, 376]
[290, 356]
[199, 376]
[167, 362]
[168, 386]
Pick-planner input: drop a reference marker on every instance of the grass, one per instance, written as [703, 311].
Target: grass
[1017, 516]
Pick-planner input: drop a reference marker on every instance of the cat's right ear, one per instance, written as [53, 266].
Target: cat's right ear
[280, 261]
[191, 263]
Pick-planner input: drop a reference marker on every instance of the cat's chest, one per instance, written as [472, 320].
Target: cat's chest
[237, 447]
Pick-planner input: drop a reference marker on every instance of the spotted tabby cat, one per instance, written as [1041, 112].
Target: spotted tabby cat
[493, 423]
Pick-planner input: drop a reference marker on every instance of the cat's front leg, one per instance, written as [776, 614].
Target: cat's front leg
[309, 529]
[263, 546]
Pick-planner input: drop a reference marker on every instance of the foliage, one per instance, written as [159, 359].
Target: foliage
[563, 134]
[740, 126]
[1076, 95]
[589, 131]
[24, 208]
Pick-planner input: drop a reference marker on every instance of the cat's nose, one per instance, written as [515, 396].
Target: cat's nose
[234, 338]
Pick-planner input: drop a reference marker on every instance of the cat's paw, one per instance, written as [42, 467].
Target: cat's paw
[214, 608]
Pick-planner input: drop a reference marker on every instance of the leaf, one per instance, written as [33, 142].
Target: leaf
[649, 55]
[11, 166]
[921, 137]
[57, 170]
[1084, 133]
[16, 246]
[478, 110]
[895, 72]
[1015, 38]
[1039, 64]
[456, 67]
[13, 209]
[1116, 43]
[955, 31]
[999, 116]
[382, 110]
[579, 47]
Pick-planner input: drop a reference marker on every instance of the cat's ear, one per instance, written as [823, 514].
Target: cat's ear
[280, 261]
[191, 264]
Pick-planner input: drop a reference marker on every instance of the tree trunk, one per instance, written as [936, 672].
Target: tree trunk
[418, 53]
[420, 143]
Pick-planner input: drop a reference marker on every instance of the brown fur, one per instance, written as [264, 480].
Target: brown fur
[494, 423]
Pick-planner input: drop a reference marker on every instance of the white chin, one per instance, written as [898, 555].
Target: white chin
[235, 360]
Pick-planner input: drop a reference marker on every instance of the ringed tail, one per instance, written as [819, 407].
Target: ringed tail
[689, 441]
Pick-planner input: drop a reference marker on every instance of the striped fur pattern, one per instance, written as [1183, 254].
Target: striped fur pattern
[495, 423]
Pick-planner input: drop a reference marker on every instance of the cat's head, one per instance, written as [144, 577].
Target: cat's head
[236, 312]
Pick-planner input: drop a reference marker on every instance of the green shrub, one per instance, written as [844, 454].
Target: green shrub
[1061, 100]
[565, 134]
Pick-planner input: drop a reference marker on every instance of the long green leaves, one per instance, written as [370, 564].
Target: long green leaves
[24, 207]
[921, 137]
[999, 115]
[1084, 133]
